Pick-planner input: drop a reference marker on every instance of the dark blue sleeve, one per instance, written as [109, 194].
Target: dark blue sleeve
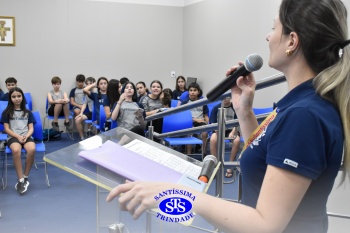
[214, 114]
[176, 95]
[72, 93]
[205, 110]
[299, 137]
[31, 118]
[93, 96]
[106, 102]
[5, 97]
[4, 118]
[185, 101]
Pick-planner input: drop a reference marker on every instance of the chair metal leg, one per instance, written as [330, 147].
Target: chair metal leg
[4, 174]
[47, 127]
[47, 175]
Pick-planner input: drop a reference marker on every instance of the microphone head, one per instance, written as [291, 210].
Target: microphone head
[210, 157]
[253, 62]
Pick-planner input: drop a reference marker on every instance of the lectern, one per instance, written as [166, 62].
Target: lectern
[109, 216]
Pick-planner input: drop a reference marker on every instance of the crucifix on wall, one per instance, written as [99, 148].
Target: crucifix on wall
[7, 31]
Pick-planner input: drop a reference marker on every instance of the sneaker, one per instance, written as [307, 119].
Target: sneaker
[22, 187]
[55, 126]
[68, 127]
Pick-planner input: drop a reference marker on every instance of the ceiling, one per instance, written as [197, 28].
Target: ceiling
[179, 3]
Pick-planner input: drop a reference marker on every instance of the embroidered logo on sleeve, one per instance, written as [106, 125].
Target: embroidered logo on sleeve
[290, 163]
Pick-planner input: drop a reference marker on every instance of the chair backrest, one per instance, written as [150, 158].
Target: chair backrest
[47, 105]
[174, 103]
[93, 117]
[38, 127]
[211, 106]
[29, 101]
[3, 105]
[259, 111]
[102, 118]
[177, 121]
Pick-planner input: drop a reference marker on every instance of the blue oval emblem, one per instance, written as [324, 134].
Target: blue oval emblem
[175, 206]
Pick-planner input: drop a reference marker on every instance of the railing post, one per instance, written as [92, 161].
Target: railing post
[220, 150]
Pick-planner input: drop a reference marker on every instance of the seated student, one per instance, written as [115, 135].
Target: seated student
[1, 93]
[112, 97]
[10, 82]
[153, 104]
[85, 111]
[58, 104]
[128, 112]
[76, 95]
[122, 81]
[184, 96]
[19, 125]
[180, 87]
[199, 114]
[141, 90]
[99, 97]
[166, 98]
[231, 133]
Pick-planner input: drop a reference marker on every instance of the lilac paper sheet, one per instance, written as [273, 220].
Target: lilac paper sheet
[130, 164]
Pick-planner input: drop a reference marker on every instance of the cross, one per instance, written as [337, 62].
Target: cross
[3, 30]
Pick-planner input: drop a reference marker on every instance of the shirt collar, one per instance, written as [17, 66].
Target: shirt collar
[296, 94]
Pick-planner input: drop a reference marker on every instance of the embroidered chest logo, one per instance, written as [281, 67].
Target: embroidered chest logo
[258, 139]
[259, 132]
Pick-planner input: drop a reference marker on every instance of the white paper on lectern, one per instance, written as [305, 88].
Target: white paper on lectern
[165, 158]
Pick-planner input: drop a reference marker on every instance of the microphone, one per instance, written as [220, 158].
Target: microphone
[209, 163]
[252, 63]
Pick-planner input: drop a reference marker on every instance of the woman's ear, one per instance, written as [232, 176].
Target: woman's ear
[293, 43]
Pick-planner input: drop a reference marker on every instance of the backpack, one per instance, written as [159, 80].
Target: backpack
[51, 135]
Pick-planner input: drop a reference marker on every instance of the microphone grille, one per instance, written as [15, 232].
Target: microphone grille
[253, 62]
[210, 157]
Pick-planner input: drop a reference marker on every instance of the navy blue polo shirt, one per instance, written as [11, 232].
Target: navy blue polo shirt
[306, 137]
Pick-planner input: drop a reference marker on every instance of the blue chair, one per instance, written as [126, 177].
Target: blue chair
[100, 125]
[179, 121]
[174, 103]
[103, 119]
[3, 136]
[29, 101]
[211, 106]
[39, 147]
[48, 118]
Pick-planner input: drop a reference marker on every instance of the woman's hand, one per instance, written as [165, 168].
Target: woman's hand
[243, 93]
[137, 196]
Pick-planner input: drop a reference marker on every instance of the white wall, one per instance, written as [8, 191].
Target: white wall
[142, 42]
[218, 34]
[68, 37]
